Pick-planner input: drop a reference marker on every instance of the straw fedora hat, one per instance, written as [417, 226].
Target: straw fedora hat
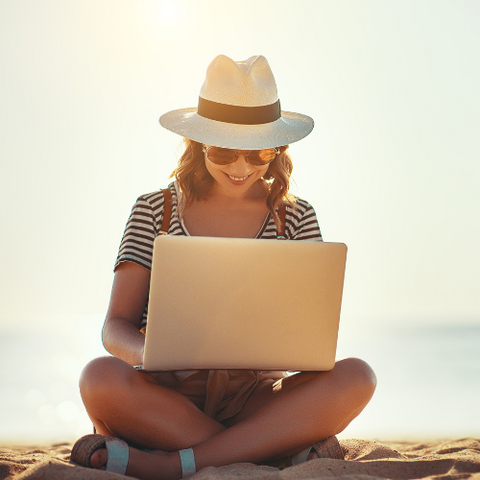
[239, 108]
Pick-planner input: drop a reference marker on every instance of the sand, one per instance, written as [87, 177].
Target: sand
[365, 459]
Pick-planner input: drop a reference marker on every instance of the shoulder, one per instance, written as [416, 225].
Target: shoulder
[142, 228]
[301, 221]
[150, 208]
[301, 204]
[156, 199]
[300, 208]
[152, 204]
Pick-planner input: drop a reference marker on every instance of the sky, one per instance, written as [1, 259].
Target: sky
[392, 166]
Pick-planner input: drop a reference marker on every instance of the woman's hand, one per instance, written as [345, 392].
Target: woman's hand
[121, 334]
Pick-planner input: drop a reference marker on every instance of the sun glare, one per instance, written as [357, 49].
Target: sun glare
[168, 12]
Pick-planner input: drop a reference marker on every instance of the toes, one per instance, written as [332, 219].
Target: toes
[99, 458]
[313, 455]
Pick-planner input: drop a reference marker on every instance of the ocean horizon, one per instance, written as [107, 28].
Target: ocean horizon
[428, 380]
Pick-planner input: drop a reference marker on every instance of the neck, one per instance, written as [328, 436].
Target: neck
[257, 191]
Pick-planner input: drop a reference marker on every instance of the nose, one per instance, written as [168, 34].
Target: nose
[241, 167]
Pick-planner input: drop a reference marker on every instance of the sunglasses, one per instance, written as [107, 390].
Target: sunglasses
[225, 156]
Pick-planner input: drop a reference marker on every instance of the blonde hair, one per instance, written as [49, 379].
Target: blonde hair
[195, 181]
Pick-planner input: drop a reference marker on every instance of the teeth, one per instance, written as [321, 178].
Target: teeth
[238, 179]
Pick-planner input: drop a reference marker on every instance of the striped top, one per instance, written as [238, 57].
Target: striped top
[145, 220]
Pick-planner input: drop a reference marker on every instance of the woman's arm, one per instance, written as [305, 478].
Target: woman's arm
[121, 335]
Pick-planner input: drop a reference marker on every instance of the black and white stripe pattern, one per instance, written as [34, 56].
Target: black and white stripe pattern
[145, 220]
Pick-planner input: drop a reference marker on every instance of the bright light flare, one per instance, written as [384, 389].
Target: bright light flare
[168, 12]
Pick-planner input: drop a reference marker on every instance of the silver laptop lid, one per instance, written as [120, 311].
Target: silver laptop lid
[229, 303]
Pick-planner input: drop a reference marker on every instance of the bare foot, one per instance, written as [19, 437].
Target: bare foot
[152, 465]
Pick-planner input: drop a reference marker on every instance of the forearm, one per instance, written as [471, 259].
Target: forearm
[123, 340]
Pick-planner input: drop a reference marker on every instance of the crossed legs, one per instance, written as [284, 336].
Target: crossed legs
[273, 424]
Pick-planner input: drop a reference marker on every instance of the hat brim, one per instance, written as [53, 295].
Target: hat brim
[289, 128]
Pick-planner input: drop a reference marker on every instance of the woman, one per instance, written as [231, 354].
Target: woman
[232, 181]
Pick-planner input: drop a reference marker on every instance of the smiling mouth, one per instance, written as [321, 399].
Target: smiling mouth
[237, 179]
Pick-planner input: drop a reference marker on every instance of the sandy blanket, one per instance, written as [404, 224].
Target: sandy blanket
[365, 460]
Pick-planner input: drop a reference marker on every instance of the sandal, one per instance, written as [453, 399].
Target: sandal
[327, 448]
[117, 452]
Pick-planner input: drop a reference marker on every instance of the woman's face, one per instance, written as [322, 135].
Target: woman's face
[235, 178]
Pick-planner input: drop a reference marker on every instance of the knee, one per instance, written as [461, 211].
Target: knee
[101, 378]
[360, 377]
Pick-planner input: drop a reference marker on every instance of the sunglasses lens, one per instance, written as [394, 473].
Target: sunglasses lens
[267, 155]
[221, 156]
[262, 157]
[224, 156]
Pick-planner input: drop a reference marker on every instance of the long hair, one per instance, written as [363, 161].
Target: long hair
[195, 181]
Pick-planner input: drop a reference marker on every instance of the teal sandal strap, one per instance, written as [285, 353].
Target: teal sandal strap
[117, 456]
[187, 460]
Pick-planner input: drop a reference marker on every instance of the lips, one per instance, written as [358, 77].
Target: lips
[238, 179]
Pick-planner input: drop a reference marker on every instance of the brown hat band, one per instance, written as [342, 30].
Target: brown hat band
[238, 114]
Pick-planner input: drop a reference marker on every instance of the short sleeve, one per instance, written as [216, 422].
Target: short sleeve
[301, 222]
[139, 235]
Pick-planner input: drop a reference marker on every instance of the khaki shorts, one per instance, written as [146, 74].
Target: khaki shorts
[220, 394]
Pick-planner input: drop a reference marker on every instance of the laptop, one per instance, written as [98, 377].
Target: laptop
[232, 303]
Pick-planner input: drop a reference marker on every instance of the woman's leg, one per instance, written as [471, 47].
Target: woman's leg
[128, 404]
[307, 408]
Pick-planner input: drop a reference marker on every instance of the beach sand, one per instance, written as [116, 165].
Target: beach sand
[364, 459]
